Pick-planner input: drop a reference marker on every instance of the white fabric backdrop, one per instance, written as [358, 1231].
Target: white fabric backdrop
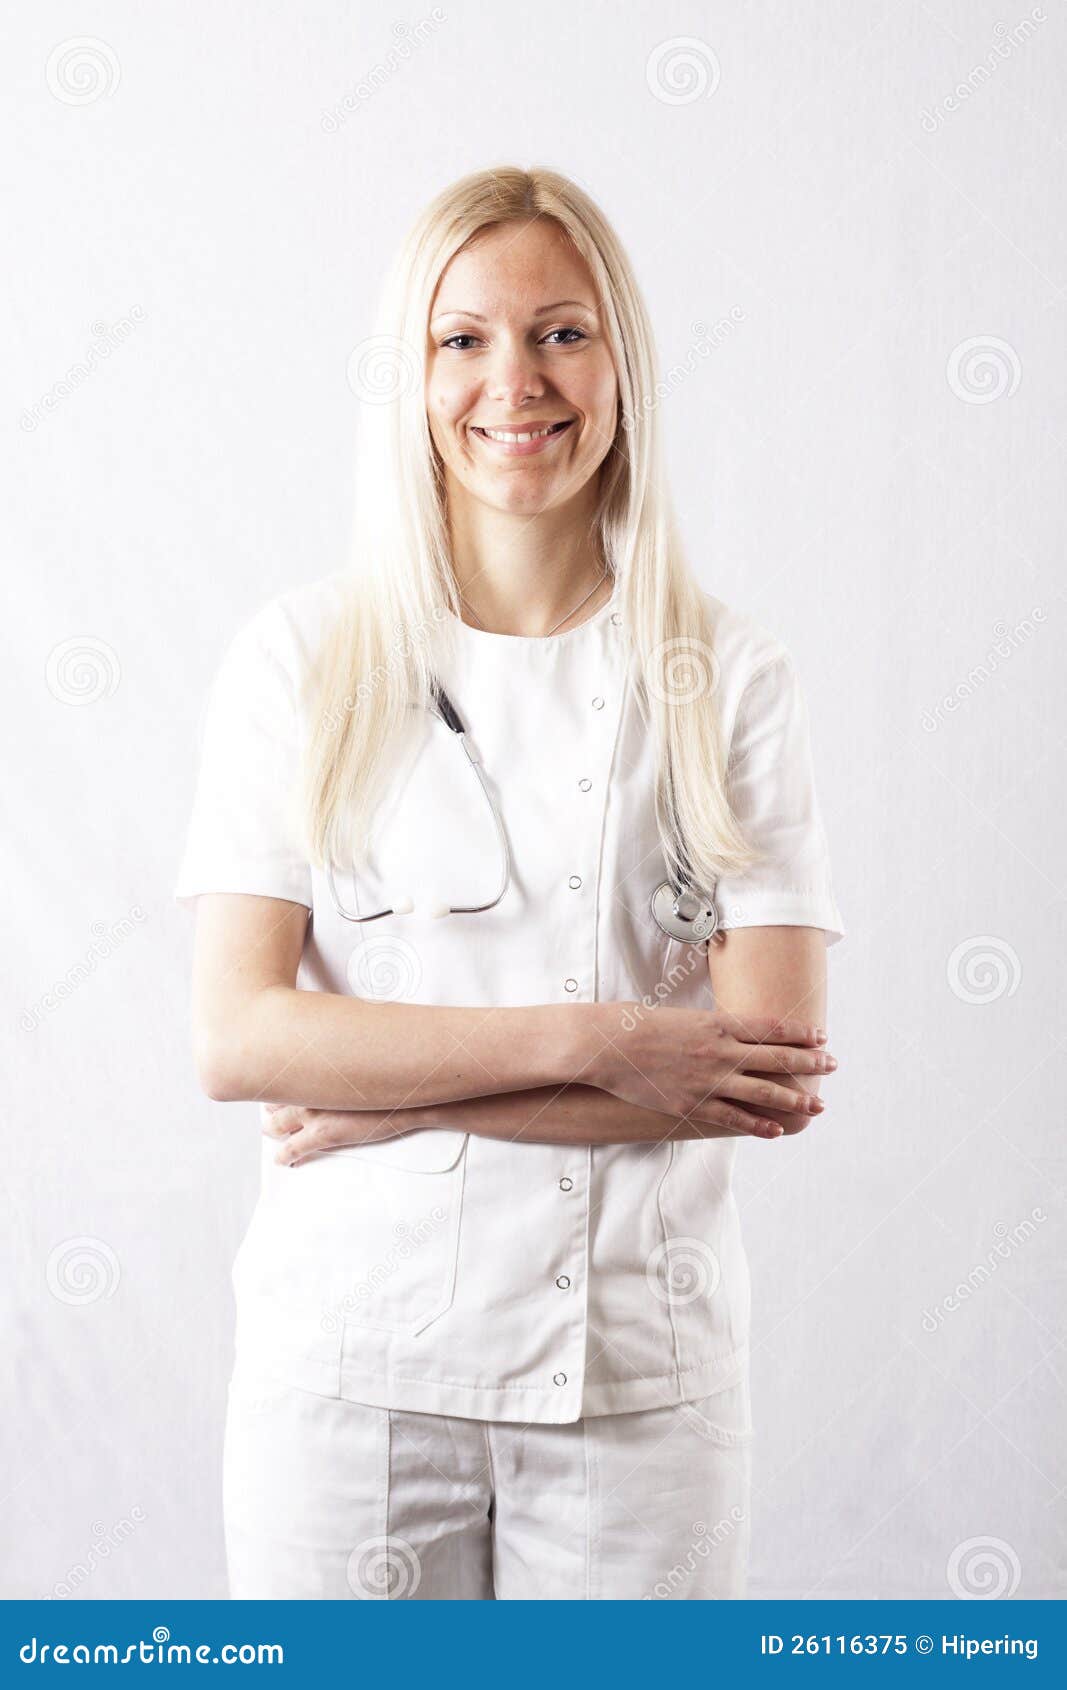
[857, 277]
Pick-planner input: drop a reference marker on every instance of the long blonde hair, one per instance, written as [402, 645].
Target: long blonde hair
[376, 660]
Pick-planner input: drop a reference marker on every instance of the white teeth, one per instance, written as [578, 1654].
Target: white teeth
[508, 438]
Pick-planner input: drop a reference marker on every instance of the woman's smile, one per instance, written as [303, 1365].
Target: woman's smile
[532, 438]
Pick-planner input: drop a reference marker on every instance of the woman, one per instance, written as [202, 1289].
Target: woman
[492, 1308]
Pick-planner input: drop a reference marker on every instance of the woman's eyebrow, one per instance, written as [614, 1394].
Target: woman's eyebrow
[541, 311]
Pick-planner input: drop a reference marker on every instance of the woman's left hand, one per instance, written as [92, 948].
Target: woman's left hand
[312, 1132]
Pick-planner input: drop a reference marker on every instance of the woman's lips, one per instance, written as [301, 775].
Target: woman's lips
[522, 448]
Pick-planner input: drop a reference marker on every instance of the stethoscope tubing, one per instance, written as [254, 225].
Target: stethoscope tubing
[666, 905]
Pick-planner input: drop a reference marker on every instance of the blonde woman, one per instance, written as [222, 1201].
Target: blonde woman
[512, 900]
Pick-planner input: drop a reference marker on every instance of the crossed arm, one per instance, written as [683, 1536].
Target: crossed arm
[507, 1073]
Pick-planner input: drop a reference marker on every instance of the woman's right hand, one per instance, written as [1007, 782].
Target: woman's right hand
[699, 1063]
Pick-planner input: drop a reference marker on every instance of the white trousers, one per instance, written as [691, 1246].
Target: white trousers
[328, 1499]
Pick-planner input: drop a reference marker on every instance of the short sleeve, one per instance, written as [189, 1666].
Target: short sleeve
[772, 791]
[244, 833]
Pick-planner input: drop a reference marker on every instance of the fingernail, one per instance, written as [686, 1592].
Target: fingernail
[820, 1035]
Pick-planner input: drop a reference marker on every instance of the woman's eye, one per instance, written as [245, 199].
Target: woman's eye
[454, 338]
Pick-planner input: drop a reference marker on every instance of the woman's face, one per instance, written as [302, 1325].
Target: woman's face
[516, 345]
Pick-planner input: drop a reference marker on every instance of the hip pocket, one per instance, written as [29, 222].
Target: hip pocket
[394, 1266]
[724, 1418]
[344, 1239]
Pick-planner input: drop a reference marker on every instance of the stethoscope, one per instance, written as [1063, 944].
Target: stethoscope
[680, 911]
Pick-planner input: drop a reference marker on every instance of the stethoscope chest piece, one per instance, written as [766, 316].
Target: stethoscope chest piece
[685, 915]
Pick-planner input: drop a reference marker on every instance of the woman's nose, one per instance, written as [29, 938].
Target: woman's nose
[514, 376]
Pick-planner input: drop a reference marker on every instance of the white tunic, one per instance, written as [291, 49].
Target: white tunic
[453, 1273]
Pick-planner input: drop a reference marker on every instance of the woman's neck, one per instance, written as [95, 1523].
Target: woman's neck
[588, 601]
[527, 575]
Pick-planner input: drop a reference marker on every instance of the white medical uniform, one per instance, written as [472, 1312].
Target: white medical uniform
[538, 1312]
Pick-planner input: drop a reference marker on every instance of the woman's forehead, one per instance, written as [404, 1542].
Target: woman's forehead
[512, 266]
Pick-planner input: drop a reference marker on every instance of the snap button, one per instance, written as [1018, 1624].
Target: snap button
[574, 882]
[616, 618]
[598, 704]
[559, 1378]
[565, 1184]
[585, 783]
[563, 1282]
[571, 985]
